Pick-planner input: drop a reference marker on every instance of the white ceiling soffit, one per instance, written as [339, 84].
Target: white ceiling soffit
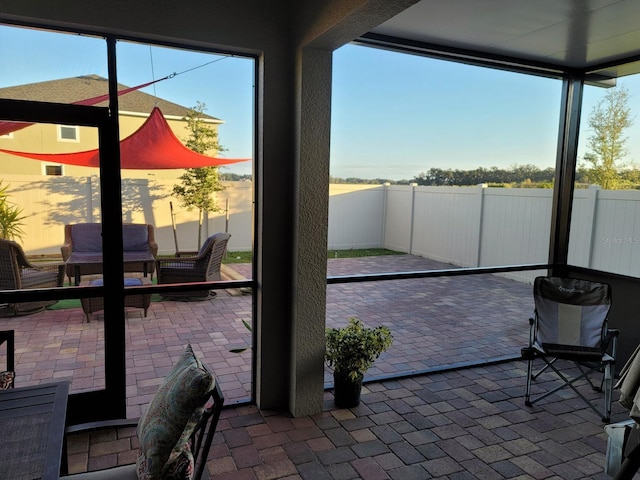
[584, 35]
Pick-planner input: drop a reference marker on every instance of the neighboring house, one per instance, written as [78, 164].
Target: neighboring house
[134, 106]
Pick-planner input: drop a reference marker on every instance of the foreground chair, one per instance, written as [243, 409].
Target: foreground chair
[7, 376]
[17, 273]
[176, 430]
[188, 267]
[570, 324]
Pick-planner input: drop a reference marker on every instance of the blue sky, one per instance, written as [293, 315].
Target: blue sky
[407, 114]
[393, 115]
[396, 115]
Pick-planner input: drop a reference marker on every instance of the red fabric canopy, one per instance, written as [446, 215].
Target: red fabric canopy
[153, 146]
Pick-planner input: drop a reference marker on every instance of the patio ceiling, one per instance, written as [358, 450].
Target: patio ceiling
[580, 35]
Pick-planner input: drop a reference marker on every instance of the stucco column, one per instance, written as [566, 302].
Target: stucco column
[312, 210]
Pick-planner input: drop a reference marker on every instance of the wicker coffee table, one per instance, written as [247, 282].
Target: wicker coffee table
[96, 304]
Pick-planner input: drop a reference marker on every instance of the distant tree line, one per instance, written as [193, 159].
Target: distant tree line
[367, 181]
[516, 175]
[235, 177]
[603, 164]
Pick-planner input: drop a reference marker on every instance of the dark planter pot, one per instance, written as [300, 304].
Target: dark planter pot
[346, 391]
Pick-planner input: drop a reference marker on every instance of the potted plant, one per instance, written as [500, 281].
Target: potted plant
[350, 351]
[11, 219]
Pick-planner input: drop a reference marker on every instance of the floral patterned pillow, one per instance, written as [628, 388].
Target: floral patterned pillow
[172, 415]
[182, 468]
[6, 379]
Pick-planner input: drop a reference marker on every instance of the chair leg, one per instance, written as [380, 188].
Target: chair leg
[527, 394]
[569, 382]
[548, 364]
[608, 391]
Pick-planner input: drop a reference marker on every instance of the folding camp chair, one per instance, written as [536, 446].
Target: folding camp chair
[570, 324]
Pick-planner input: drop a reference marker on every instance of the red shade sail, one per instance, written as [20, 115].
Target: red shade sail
[153, 146]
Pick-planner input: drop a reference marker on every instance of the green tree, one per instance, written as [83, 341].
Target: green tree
[608, 122]
[198, 185]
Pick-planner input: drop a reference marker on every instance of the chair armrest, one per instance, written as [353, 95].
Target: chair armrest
[42, 275]
[47, 264]
[66, 249]
[153, 247]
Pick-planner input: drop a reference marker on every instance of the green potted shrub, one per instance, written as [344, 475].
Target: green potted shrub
[11, 219]
[350, 352]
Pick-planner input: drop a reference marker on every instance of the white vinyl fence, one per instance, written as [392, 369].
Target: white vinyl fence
[485, 227]
[462, 226]
[51, 202]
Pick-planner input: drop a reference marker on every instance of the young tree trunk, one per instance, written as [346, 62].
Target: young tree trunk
[200, 215]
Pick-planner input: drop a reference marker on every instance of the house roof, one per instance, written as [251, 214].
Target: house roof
[69, 90]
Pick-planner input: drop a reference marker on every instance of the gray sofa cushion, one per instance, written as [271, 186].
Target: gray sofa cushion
[135, 238]
[87, 237]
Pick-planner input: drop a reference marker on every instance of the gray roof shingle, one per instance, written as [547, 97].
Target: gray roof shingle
[69, 90]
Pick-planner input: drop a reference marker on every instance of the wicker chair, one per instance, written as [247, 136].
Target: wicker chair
[17, 273]
[202, 266]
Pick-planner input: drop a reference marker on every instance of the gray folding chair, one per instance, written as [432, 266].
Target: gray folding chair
[570, 329]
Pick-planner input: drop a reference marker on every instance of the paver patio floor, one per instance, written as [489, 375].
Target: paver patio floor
[435, 322]
[458, 424]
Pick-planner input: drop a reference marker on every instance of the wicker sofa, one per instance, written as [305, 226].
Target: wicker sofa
[86, 238]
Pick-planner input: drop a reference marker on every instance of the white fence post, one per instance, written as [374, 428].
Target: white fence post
[481, 190]
[412, 210]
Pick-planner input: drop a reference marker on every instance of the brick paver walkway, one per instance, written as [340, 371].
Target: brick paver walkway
[435, 322]
[458, 425]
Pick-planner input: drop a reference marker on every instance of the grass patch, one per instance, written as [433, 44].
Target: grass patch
[66, 303]
[238, 257]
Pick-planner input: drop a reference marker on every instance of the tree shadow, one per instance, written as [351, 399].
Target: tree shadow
[77, 199]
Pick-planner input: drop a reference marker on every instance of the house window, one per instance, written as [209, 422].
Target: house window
[53, 170]
[68, 133]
